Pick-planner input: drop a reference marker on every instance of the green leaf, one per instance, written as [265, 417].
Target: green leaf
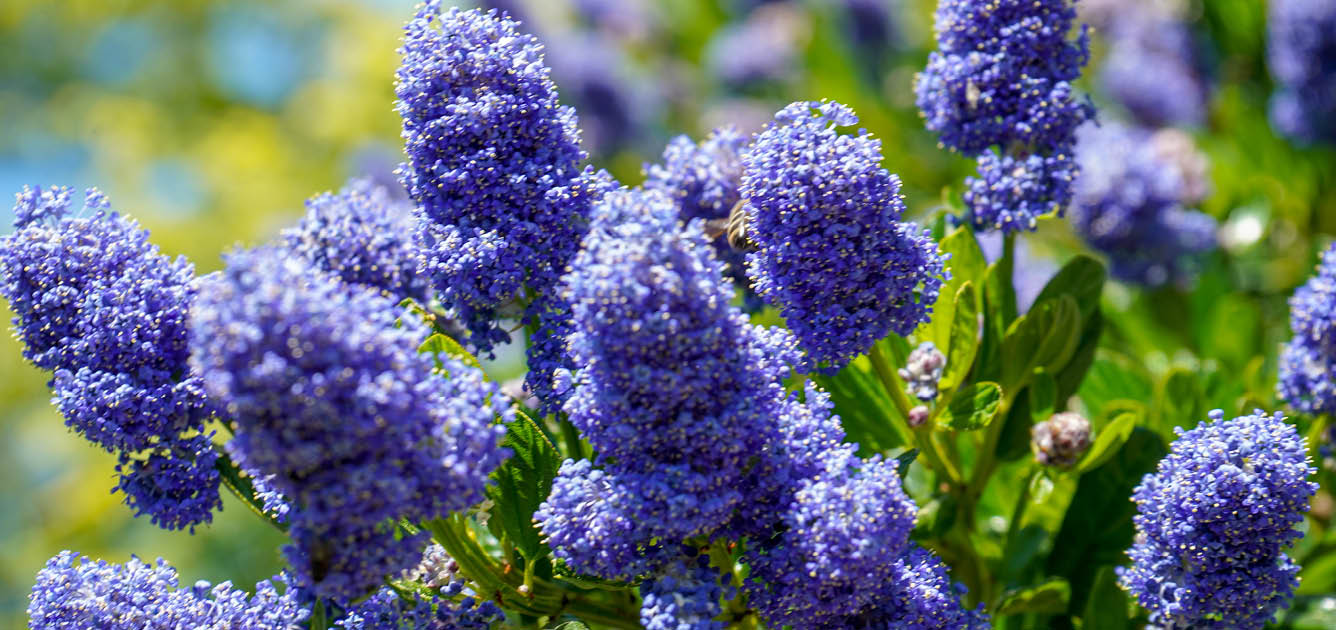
[1097, 527]
[1108, 441]
[971, 408]
[1182, 401]
[1113, 377]
[1046, 337]
[903, 460]
[522, 482]
[1083, 279]
[1106, 608]
[441, 344]
[1072, 374]
[1048, 598]
[935, 518]
[1043, 393]
[866, 412]
[964, 338]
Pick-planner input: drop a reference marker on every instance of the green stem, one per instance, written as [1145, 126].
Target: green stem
[920, 435]
[1018, 512]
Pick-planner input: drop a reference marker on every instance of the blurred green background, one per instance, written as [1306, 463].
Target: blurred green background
[212, 121]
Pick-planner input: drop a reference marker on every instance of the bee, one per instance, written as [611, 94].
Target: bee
[733, 228]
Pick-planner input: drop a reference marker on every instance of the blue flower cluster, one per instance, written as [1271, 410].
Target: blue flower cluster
[74, 593]
[703, 179]
[1301, 51]
[387, 610]
[1130, 204]
[1000, 80]
[1214, 520]
[493, 163]
[1152, 69]
[105, 311]
[364, 235]
[1308, 364]
[696, 438]
[337, 411]
[818, 203]
[685, 595]
[649, 299]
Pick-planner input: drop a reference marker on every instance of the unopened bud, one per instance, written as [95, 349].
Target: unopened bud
[923, 370]
[1060, 440]
[918, 415]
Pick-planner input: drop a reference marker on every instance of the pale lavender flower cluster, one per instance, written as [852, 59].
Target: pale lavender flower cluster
[364, 235]
[831, 251]
[999, 87]
[336, 410]
[1301, 51]
[923, 370]
[1132, 204]
[75, 593]
[1213, 522]
[100, 307]
[1308, 364]
[1061, 440]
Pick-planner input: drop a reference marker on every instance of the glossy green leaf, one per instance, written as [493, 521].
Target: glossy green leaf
[903, 460]
[935, 518]
[523, 482]
[1097, 528]
[964, 338]
[1043, 394]
[1108, 441]
[1070, 377]
[971, 408]
[1049, 598]
[866, 412]
[1106, 608]
[1046, 337]
[1083, 279]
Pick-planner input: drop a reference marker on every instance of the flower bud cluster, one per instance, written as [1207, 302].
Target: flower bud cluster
[100, 307]
[1061, 440]
[923, 370]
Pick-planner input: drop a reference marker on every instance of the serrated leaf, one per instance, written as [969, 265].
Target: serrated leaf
[1106, 608]
[441, 344]
[964, 338]
[971, 408]
[1048, 598]
[967, 265]
[1108, 441]
[521, 484]
[1097, 527]
[1083, 279]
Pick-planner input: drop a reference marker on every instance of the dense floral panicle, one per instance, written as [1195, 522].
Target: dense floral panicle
[919, 596]
[1130, 205]
[105, 311]
[1301, 51]
[831, 251]
[335, 407]
[1151, 69]
[1011, 192]
[1213, 522]
[386, 610]
[364, 235]
[74, 593]
[493, 162]
[1001, 74]
[842, 534]
[703, 179]
[595, 525]
[683, 596]
[1308, 364]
